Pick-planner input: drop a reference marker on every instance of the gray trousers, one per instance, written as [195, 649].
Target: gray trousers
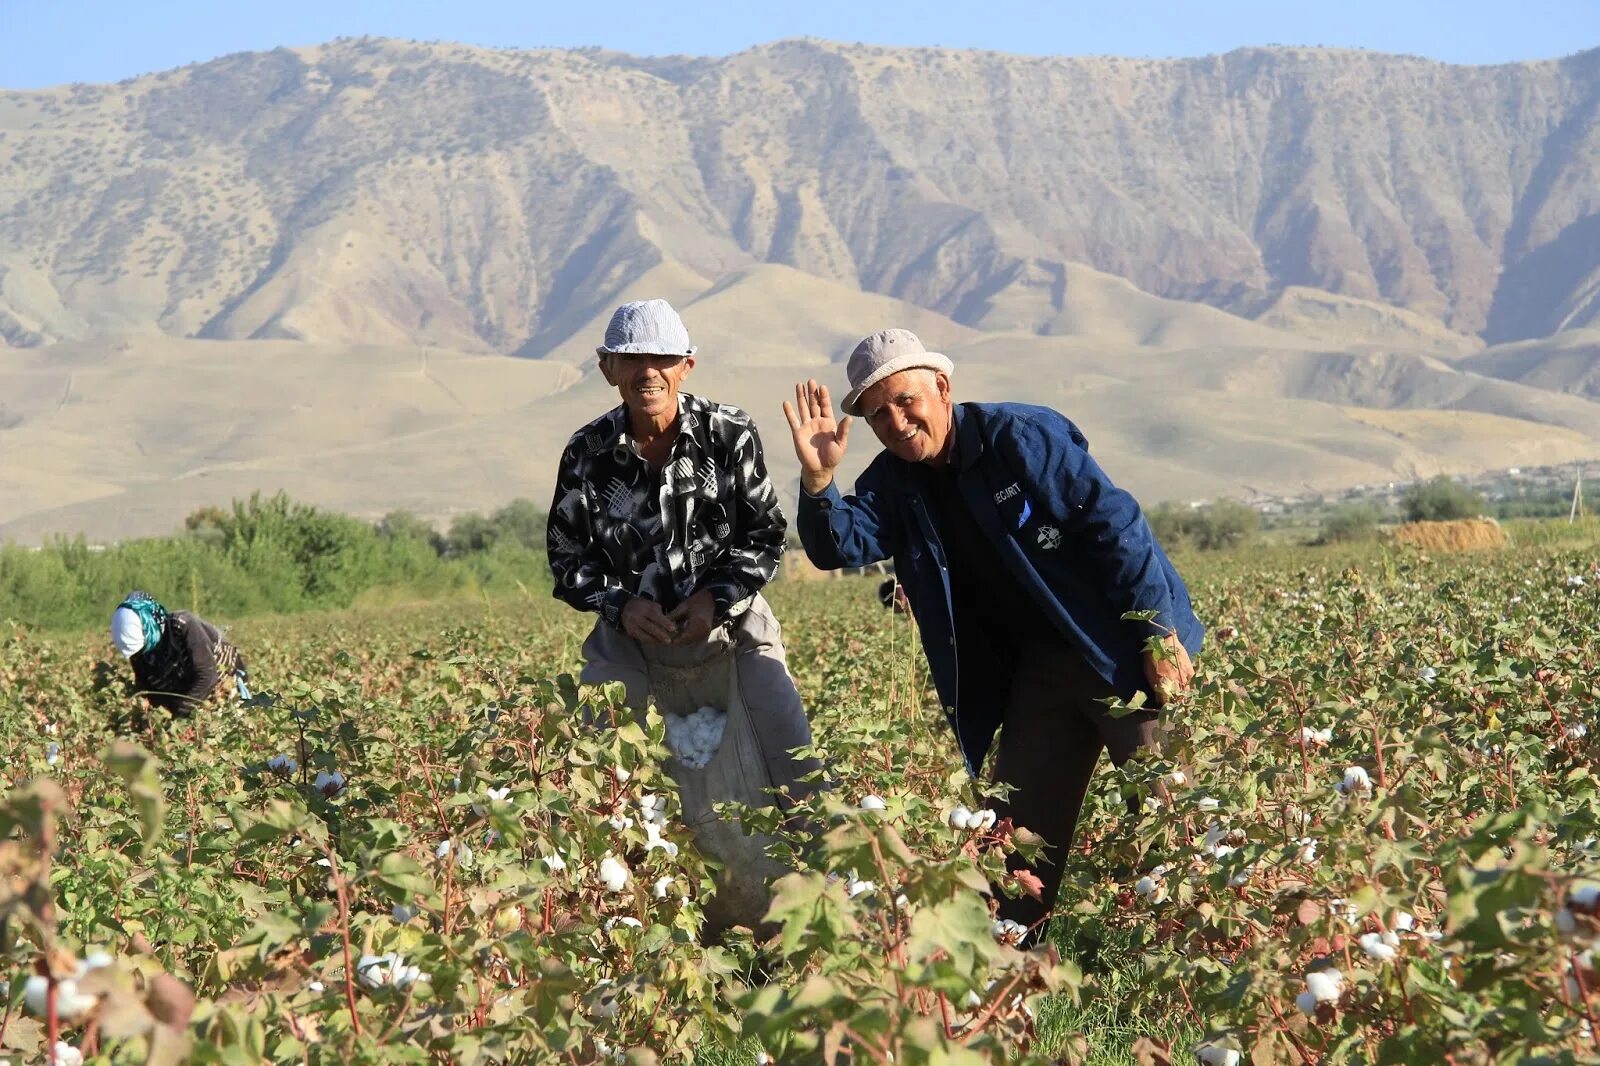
[769, 695]
[1052, 736]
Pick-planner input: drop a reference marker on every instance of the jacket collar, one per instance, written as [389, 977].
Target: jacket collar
[969, 437]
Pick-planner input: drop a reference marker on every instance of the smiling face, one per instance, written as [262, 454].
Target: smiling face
[912, 414]
[648, 385]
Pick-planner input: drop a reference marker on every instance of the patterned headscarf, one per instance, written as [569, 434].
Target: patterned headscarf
[152, 616]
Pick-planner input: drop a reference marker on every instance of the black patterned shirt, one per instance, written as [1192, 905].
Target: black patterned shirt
[708, 519]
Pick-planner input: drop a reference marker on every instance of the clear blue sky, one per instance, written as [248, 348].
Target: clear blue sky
[48, 42]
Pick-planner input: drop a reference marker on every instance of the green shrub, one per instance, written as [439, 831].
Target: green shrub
[273, 555]
[1440, 500]
[1356, 521]
[1217, 525]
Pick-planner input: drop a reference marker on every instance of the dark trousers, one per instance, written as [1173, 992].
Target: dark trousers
[1050, 740]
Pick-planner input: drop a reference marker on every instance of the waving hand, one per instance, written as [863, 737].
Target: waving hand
[819, 441]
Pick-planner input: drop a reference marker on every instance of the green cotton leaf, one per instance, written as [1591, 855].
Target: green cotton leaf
[138, 770]
[812, 912]
[958, 929]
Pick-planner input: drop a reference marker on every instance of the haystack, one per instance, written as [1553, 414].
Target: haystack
[1466, 534]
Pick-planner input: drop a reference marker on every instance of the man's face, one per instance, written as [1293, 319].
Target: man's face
[911, 413]
[648, 384]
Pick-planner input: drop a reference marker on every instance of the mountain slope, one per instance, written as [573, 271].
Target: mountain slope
[383, 192]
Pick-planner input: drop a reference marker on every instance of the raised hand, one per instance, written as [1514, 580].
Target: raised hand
[819, 441]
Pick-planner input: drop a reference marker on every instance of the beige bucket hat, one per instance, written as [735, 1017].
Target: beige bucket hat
[884, 353]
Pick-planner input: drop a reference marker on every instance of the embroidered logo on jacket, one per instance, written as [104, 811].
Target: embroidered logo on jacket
[1006, 493]
[1049, 538]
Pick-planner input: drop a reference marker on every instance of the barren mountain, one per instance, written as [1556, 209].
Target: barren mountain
[375, 191]
[308, 268]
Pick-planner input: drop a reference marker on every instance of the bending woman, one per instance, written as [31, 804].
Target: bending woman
[179, 659]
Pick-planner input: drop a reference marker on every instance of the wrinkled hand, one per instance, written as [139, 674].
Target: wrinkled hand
[819, 441]
[1168, 674]
[694, 617]
[646, 622]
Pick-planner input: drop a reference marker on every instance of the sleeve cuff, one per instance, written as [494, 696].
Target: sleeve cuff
[612, 603]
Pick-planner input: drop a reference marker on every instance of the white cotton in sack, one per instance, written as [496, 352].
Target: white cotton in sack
[695, 738]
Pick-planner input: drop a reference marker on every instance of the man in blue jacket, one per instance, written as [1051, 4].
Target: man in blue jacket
[1020, 559]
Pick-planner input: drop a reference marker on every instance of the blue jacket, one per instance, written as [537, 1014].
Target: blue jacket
[1075, 541]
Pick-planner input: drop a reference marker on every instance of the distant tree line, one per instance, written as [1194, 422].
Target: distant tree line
[1211, 527]
[274, 555]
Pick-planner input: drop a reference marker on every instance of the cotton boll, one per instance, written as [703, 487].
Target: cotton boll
[71, 1004]
[494, 797]
[653, 808]
[655, 840]
[1326, 985]
[1209, 803]
[329, 784]
[1009, 932]
[960, 818]
[1403, 922]
[1147, 886]
[282, 764]
[873, 803]
[982, 821]
[1307, 852]
[1375, 946]
[1356, 781]
[613, 873]
[1306, 1002]
[375, 971]
[1212, 1055]
[64, 1054]
[662, 887]
[555, 863]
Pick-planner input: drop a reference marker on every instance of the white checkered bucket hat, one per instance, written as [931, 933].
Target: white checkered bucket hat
[646, 327]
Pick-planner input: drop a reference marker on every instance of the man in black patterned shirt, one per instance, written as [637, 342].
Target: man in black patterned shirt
[666, 524]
